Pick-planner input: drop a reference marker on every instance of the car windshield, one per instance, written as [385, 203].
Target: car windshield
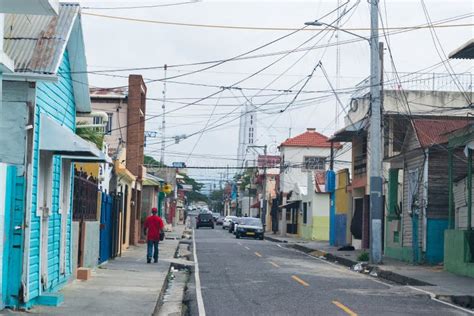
[251, 222]
[206, 216]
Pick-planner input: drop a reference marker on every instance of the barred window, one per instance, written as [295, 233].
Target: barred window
[314, 163]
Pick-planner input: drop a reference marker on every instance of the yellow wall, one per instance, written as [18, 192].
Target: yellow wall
[92, 168]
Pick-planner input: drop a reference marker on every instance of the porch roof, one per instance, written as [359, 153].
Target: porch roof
[345, 134]
[62, 141]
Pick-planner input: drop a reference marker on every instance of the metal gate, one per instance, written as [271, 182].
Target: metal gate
[115, 240]
[105, 249]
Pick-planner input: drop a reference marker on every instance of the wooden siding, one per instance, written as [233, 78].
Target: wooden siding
[438, 195]
[57, 101]
[413, 163]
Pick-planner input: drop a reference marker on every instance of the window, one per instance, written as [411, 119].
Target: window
[305, 213]
[314, 163]
[108, 127]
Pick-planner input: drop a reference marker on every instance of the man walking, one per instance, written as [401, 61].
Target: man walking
[153, 226]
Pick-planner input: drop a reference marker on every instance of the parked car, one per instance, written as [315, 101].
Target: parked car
[249, 227]
[227, 221]
[204, 220]
[220, 221]
[233, 224]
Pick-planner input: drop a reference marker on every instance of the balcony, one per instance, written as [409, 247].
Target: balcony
[360, 165]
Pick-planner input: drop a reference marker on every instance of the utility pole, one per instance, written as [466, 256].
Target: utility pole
[338, 65]
[163, 121]
[264, 209]
[375, 140]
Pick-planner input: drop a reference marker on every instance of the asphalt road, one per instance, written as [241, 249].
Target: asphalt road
[252, 277]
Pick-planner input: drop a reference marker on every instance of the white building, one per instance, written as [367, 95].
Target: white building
[247, 136]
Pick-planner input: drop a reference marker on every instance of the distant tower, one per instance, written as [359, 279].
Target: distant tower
[247, 136]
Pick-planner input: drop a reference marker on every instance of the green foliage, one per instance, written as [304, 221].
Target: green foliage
[91, 134]
[149, 161]
[216, 200]
[195, 195]
[364, 256]
[245, 178]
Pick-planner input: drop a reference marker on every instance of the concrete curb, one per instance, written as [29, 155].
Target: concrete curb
[274, 239]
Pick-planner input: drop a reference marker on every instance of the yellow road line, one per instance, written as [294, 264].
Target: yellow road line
[257, 254]
[274, 264]
[344, 308]
[294, 277]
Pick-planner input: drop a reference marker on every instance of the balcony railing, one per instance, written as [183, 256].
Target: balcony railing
[360, 165]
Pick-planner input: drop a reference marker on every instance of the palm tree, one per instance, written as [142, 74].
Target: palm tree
[91, 134]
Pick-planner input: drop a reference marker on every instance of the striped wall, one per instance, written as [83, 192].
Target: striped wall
[57, 101]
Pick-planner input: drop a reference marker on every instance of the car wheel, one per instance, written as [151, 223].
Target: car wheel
[261, 237]
[212, 227]
[197, 227]
[237, 236]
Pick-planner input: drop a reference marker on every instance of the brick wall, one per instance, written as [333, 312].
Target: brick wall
[136, 123]
[135, 141]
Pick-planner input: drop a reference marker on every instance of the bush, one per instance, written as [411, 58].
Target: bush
[364, 256]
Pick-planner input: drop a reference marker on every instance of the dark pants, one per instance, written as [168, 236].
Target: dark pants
[152, 245]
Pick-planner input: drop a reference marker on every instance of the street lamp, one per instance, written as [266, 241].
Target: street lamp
[375, 132]
[319, 23]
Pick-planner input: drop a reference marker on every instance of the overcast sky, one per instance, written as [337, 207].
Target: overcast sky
[112, 43]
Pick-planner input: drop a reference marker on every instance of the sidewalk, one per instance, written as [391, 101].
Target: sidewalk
[126, 285]
[434, 279]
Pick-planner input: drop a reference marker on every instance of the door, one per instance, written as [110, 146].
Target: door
[105, 228]
[45, 183]
[13, 237]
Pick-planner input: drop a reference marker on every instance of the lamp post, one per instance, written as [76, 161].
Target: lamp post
[375, 132]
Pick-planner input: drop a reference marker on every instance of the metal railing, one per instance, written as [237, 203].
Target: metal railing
[84, 198]
[421, 81]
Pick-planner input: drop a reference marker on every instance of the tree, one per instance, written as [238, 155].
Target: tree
[91, 134]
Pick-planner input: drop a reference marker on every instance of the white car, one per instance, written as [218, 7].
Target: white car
[227, 221]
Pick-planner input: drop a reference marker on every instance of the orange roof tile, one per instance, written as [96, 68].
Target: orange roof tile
[310, 138]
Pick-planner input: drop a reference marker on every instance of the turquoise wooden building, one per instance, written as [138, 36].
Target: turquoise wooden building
[38, 121]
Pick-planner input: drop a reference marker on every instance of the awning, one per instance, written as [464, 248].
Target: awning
[466, 51]
[62, 141]
[290, 204]
[345, 134]
[102, 158]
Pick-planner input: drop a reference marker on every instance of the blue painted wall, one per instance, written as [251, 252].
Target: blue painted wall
[435, 240]
[57, 101]
[341, 230]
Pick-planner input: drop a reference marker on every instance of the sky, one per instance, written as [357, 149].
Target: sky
[113, 44]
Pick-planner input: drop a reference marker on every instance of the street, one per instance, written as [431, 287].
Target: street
[251, 277]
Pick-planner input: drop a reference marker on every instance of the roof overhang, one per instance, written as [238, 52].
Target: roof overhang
[465, 51]
[345, 134]
[60, 140]
[290, 204]
[78, 62]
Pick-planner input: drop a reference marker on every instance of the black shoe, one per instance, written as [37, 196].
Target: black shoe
[148, 260]
[155, 261]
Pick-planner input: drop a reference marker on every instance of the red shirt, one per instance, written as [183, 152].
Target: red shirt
[154, 224]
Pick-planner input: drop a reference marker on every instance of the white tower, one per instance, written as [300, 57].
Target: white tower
[247, 136]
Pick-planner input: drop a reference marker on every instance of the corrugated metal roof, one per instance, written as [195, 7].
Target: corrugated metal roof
[120, 93]
[36, 42]
[435, 131]
[466, 51]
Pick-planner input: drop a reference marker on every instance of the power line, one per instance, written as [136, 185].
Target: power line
[257, 28]
[140, 7]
